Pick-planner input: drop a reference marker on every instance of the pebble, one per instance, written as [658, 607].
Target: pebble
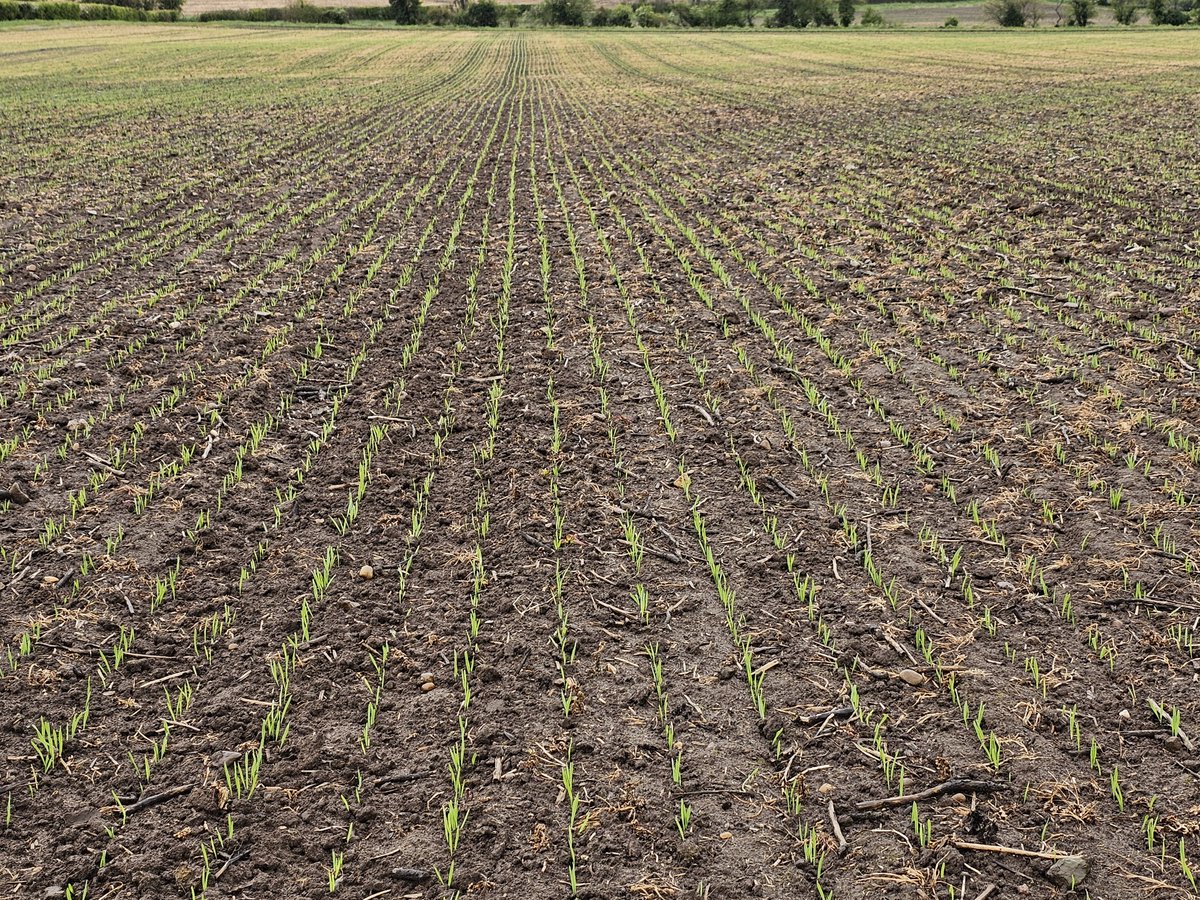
[725, 835]
[427, 687]
[1125, 716]
[959, 798]
[826, 788]
[49, 579]
[1069, 872]
[911, 677]
[426, 678]
[366, 572]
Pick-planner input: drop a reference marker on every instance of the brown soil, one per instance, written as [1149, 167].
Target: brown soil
[877, 372]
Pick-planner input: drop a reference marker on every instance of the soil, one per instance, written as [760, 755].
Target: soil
[355, 384]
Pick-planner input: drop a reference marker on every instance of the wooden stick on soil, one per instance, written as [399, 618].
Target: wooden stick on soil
[837, 829]
[1008, 851]
[953, 786]
[241, 854]
[155, 799]
[104, 463]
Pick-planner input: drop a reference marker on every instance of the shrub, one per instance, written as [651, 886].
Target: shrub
[621, 16]
[950, 23]
[871, 17]
[369, 13]
[1125, 12]
[845, 13]
[565, 12]
[9, 11]
[57, 10]
[647, 17]
[406, 12]
[95, 12]
[1082, 12]
[482, 14]
[1012, 13]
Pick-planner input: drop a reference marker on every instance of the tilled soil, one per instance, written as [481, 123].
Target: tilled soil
[535, 465]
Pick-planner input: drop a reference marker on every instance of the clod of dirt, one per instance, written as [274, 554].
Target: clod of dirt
[911, 677]
[1069, 872]
[366, 572]
[16, 494]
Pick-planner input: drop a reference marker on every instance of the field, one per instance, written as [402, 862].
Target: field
[539, 464]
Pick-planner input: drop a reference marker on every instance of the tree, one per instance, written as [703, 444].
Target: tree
[726, 13]
[1167, 12]
[566, 12]
[871, 17]
[406, 12]
[1125, 12]
[846, 13]
[1082, 12]
[482, 14]
[820, 13]
[1012, 13]
[621, 16]
[785, 15]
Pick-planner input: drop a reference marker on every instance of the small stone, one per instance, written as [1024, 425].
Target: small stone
[427, 687]
[725, 835]
[49, 579]
[911, 677]
[425, 678]
[825, 788]
[1124, 715]
[1069, 872]
[366, 572]
[959, 798]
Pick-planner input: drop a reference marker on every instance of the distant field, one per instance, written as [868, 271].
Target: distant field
[932, 15]
[195, 7]
[614, 466]
[920, 15]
